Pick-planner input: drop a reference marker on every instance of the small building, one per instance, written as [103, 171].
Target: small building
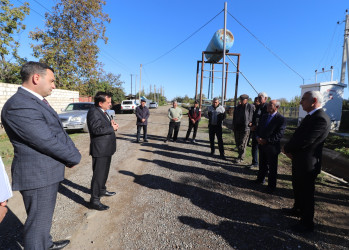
[332, 92]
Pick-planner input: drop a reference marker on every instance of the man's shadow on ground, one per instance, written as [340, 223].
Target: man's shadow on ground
[11, 232]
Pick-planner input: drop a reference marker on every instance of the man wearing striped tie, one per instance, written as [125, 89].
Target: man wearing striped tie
[103, 145]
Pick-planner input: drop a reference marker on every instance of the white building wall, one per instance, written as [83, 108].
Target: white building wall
[58, 100]
[332, 93]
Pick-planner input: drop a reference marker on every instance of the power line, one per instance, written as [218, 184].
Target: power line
[243, 75]
[32, 9]
[183, 40]
[42, 5]
[272, 52]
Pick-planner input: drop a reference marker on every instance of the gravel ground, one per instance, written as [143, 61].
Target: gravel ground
[176, 196]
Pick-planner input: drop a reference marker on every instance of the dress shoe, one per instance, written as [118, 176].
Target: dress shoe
[59, 244]
[303, 228]
[107, 193]
[98, 206]
[291, 211]
[165, 141]
[137, 141]
[193, 141]
[223, 157]
[146, 140]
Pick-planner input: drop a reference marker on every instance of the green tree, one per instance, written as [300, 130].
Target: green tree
[10, 24]
[295, 101]
[69, 43]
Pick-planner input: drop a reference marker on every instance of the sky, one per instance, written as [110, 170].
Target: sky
[304, 34]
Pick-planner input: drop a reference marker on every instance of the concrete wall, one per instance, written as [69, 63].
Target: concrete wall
[59, 98]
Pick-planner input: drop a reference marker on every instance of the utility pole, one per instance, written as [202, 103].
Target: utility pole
[136, 87]
[131, 85]
[140, 80]
[345, 55]
[224, 42]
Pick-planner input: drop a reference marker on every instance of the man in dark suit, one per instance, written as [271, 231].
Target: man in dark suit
[305, 150]
[42, 150]
[260, 110]
[269, 132]
[103, 145]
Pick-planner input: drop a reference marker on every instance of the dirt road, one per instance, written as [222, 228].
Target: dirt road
[175, 195]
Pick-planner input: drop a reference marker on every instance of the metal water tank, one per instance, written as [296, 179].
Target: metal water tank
[216, 45]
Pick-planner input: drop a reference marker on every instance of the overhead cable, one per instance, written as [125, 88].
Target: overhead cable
[183, 40]
[242, 74]
[32, 9]
[272, 52]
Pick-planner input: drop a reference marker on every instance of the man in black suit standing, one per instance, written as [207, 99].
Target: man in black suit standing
[269, 132]
[259, 111]
[42, 150]
[103, 145]
[305, 150]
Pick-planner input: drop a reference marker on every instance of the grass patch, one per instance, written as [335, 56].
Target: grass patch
[6, 149]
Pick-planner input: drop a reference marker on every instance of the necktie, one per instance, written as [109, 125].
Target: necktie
[268, 120]
[107, 115]
[45, 101]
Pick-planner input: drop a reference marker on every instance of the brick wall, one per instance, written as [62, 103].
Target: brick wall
[59, 98]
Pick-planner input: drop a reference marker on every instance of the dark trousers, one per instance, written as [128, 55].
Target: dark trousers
[39, 204]
[139, 127]
[268, 164]
[191, 126]
[173, 126]
[254, 149]
[241, 137]
[213, 131]
[100, 167]
[303, 188]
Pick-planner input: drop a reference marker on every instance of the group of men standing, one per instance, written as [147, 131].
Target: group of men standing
[304, 148]
[43, 149]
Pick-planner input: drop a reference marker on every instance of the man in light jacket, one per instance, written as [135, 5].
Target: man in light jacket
[175, 116]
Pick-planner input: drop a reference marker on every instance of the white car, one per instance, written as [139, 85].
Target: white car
[153, 105]
[129, 106]
[74, 115]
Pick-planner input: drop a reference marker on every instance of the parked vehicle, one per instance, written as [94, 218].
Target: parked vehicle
[153, 105]
[74, 115]
[129, 106]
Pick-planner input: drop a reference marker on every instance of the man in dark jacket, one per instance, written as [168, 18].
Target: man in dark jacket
[269, 132]
[259, 111]
[142, 114]
[194, 115]
[305, 150]
[216, 115]
[242, 118]
[103, 145]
